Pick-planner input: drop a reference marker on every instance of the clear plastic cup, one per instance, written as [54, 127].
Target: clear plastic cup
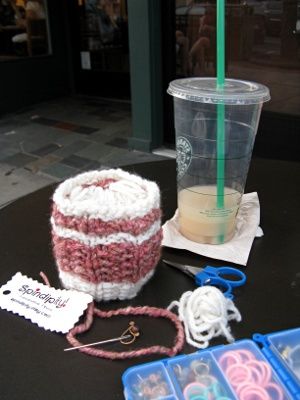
[210, 181]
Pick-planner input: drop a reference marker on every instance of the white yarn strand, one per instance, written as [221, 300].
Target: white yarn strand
[130, 196]
[205, 313]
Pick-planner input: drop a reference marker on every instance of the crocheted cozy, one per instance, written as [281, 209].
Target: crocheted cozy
[106, 233]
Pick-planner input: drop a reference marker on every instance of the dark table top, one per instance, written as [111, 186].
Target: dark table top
[33, 365]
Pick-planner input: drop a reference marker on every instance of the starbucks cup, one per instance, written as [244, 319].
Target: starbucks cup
[215, 133]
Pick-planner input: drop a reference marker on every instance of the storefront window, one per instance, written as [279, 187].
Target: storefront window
[262, 44]
[23, 29]
[104, 35]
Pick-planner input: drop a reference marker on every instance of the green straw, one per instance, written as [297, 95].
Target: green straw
[220, 107]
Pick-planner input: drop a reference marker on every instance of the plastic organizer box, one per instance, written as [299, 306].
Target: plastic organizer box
[265, 368]
[282, 349]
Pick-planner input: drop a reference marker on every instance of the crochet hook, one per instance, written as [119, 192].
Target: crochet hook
[96, 343]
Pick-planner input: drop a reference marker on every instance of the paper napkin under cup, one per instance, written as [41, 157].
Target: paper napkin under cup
[236, 250]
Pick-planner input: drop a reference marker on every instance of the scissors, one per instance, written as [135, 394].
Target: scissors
[213, 276]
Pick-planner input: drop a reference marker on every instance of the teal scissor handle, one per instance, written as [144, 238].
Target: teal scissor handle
[214, 276]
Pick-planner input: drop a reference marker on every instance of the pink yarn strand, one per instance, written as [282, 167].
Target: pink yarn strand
[113, 355]
[45, 278]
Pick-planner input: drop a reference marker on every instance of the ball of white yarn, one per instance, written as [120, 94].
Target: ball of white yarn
[205, 313]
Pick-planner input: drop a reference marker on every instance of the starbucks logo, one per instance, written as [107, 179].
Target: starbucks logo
[184, 155]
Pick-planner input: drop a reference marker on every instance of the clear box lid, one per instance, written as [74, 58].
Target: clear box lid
[233, 92]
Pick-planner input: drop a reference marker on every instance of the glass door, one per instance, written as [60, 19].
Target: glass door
[102, 62]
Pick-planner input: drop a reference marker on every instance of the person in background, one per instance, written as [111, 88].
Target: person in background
[34, 10]
[182, 53]
[205, 42]
[8, 26]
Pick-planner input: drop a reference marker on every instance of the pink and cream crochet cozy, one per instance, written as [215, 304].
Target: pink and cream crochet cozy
[106, 233]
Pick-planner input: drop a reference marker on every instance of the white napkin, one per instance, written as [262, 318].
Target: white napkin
[237, 249]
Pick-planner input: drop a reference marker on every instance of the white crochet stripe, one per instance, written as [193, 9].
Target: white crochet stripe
[103, 290]
[129, 197]
[93, 240]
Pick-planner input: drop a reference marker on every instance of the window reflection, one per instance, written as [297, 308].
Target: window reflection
[262, 44]
[23, 28]
[104, 35]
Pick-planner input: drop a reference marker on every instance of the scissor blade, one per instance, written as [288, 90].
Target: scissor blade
[187, 269]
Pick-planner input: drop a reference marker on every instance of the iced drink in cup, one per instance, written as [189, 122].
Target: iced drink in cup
[210, 182]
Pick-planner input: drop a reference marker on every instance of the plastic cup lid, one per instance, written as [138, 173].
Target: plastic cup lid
[204, 90]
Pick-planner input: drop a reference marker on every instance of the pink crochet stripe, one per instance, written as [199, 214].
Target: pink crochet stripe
[135, 226]
[116, 262]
